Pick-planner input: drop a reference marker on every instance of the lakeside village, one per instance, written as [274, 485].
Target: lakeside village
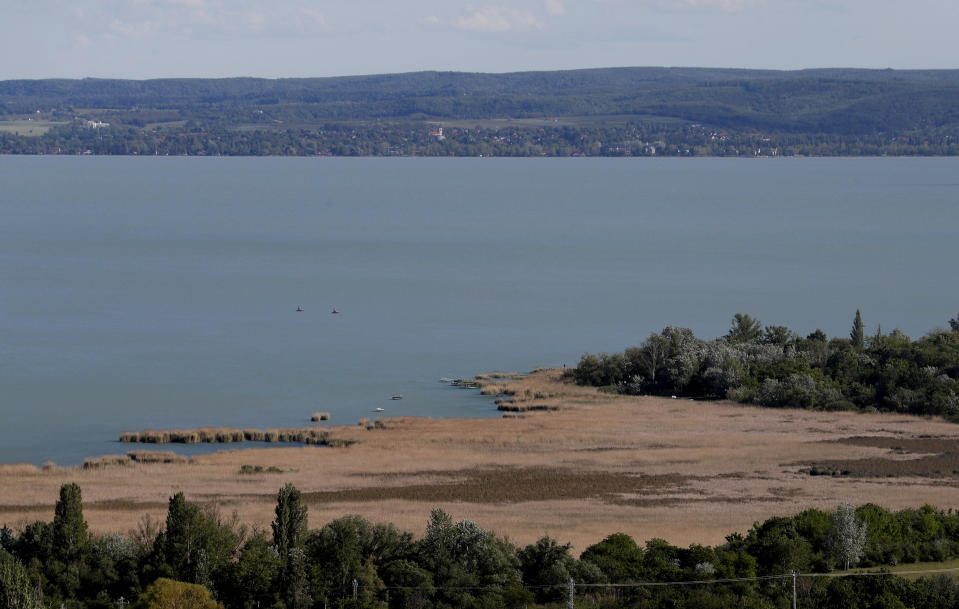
[543, 138]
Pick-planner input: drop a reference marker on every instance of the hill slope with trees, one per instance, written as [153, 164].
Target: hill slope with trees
[611, 112]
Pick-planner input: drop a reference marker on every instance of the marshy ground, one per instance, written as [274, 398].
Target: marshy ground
[567, 461]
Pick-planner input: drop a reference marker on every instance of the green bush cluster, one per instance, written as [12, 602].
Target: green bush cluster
[774, 366]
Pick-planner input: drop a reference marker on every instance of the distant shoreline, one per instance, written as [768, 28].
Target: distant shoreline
[538, 157]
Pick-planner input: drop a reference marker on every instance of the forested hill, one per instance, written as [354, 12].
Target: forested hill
[613, 111]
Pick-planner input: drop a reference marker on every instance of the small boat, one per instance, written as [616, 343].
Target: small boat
[299, 309]
[397, 397]
[380, 409]
[334, 311]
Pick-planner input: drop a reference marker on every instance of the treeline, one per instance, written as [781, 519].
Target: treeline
[350, 562]
[601, 112]
[775, 366]
[627, 138]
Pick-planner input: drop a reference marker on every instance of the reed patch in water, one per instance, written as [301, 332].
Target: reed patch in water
[320, 416]
[157, 456]
[227, 435]
[106, 461]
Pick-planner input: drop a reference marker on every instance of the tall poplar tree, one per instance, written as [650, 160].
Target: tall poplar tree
[289, 531]
[69, 528]
[289, 527]
[182, 544]
[858, 332]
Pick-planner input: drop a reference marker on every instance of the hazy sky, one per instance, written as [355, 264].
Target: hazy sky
[276, 38]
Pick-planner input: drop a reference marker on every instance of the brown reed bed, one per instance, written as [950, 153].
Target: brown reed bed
[132, 457]
[18, 469]
[106, 461]
[496, 375]
[497, 389]
[227, 435]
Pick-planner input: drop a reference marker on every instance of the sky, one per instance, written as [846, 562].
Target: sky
[141, 39]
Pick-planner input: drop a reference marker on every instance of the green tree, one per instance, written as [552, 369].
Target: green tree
[182, 543]
[618, 557]
[412, 585]
[744, 329]
[778, 547]
[858, 332]
[471, 566]
[195, 545]
[851, 535]
[341, 552]
[778, 335]
[256, 573]
[548, 566]
[16, 590]
[289, 526]
[69, 528]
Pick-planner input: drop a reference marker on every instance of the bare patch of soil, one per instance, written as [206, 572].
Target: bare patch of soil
[923, 456]
[506, 485]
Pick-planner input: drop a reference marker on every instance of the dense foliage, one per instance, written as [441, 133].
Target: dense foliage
[774, 366]
[201, 560]
[608, 112]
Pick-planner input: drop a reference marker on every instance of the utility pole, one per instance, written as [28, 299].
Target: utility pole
[572, 589]
[355, 584]
[794, 589]
[122, 602]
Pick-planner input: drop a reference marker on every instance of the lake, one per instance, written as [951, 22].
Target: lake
[162, 292]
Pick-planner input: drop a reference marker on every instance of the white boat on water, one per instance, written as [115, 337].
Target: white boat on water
[380, 409]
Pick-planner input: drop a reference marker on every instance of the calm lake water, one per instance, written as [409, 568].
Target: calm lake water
[161, 292]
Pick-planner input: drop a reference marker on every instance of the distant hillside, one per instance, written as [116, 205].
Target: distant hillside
[690, 111]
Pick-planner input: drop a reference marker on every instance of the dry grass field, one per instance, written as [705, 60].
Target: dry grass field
[31, 128]
[588, 465]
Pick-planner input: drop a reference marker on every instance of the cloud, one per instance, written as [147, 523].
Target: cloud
[198, 18]
[316, 17]
[133, 29]
[728, 6]
[496, 18]
[555, 8]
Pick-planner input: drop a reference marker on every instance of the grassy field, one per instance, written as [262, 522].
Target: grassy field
[590, 465]
[30, 128]
[618, 120]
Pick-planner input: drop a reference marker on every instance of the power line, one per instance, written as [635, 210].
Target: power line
[698, 582]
